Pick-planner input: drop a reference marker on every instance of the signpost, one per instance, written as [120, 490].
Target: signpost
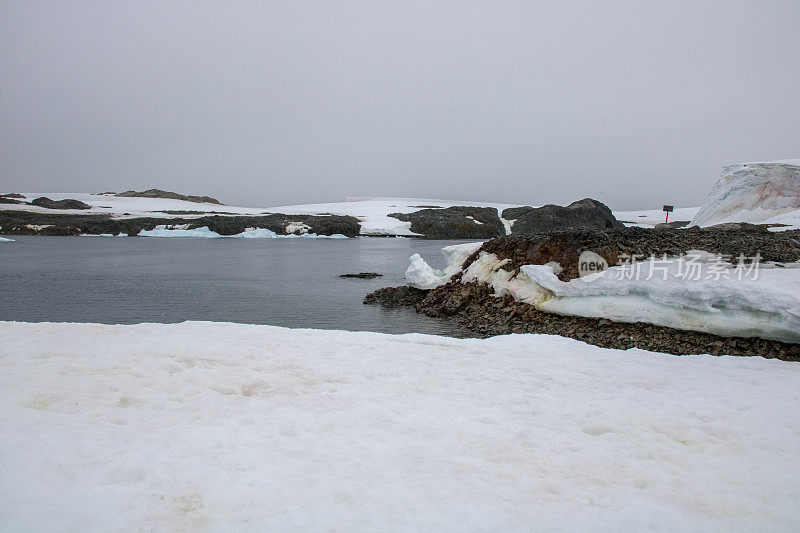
[667, 209]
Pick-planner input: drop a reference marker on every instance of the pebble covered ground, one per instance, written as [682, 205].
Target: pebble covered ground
[472, 305]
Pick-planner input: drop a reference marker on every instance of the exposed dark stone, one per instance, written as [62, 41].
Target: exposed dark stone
[158, 193]
[59, 231]
[12, 195]
[362, 275]
[473, 307]
[583, 214]
[673, 224]
[737, 226]
[16, 222]
[453, 222]
[566, 246]
[396, 296]
[47, 203]
[8, 200]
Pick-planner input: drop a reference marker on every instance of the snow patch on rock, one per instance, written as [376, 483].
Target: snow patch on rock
[422, 276]
[718, 297]
[297, 228]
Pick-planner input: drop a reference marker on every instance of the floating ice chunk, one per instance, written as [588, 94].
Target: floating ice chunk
[164, 231]
[4, 239]
[257, 233]
[249, 233]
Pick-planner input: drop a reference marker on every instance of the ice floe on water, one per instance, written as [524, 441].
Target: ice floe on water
[249, 233]
[228, 427]
[4, 239]
[164, 231]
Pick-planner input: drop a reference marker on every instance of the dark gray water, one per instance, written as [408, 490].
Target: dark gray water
[282, 282]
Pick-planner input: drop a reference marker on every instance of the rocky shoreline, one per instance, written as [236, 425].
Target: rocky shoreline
[472, 306]
[29, 223]
[429, 222]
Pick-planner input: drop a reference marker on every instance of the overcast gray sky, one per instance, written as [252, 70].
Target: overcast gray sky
[268, 103]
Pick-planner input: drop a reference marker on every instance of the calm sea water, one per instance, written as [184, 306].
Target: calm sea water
[282, 282]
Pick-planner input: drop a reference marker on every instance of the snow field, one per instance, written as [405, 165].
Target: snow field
[237, 427]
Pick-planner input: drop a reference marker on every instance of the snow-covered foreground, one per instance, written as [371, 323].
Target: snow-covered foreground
[235, 427]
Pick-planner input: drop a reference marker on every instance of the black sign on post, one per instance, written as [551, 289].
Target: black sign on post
[667, 209]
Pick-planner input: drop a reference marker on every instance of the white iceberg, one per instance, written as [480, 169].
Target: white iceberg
[4, 239]
[755, 193]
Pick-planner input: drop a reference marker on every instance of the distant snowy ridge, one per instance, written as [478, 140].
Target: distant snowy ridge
[372, 213]
[718, 297]
[754, 192]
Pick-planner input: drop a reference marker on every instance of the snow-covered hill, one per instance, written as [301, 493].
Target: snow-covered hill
[761, 192]
[373, 213]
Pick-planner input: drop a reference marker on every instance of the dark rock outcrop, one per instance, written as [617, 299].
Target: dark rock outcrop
[458, 222]
[12, 195]
[158, 193]
[583, 214]
[396, 296]
[565, 247]
[9, 200]
[362, 275]
[474, 307]
[673, 224]
[18, 222]
[47, 203]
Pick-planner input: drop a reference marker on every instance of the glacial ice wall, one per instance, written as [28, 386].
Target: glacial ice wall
[752, 192]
